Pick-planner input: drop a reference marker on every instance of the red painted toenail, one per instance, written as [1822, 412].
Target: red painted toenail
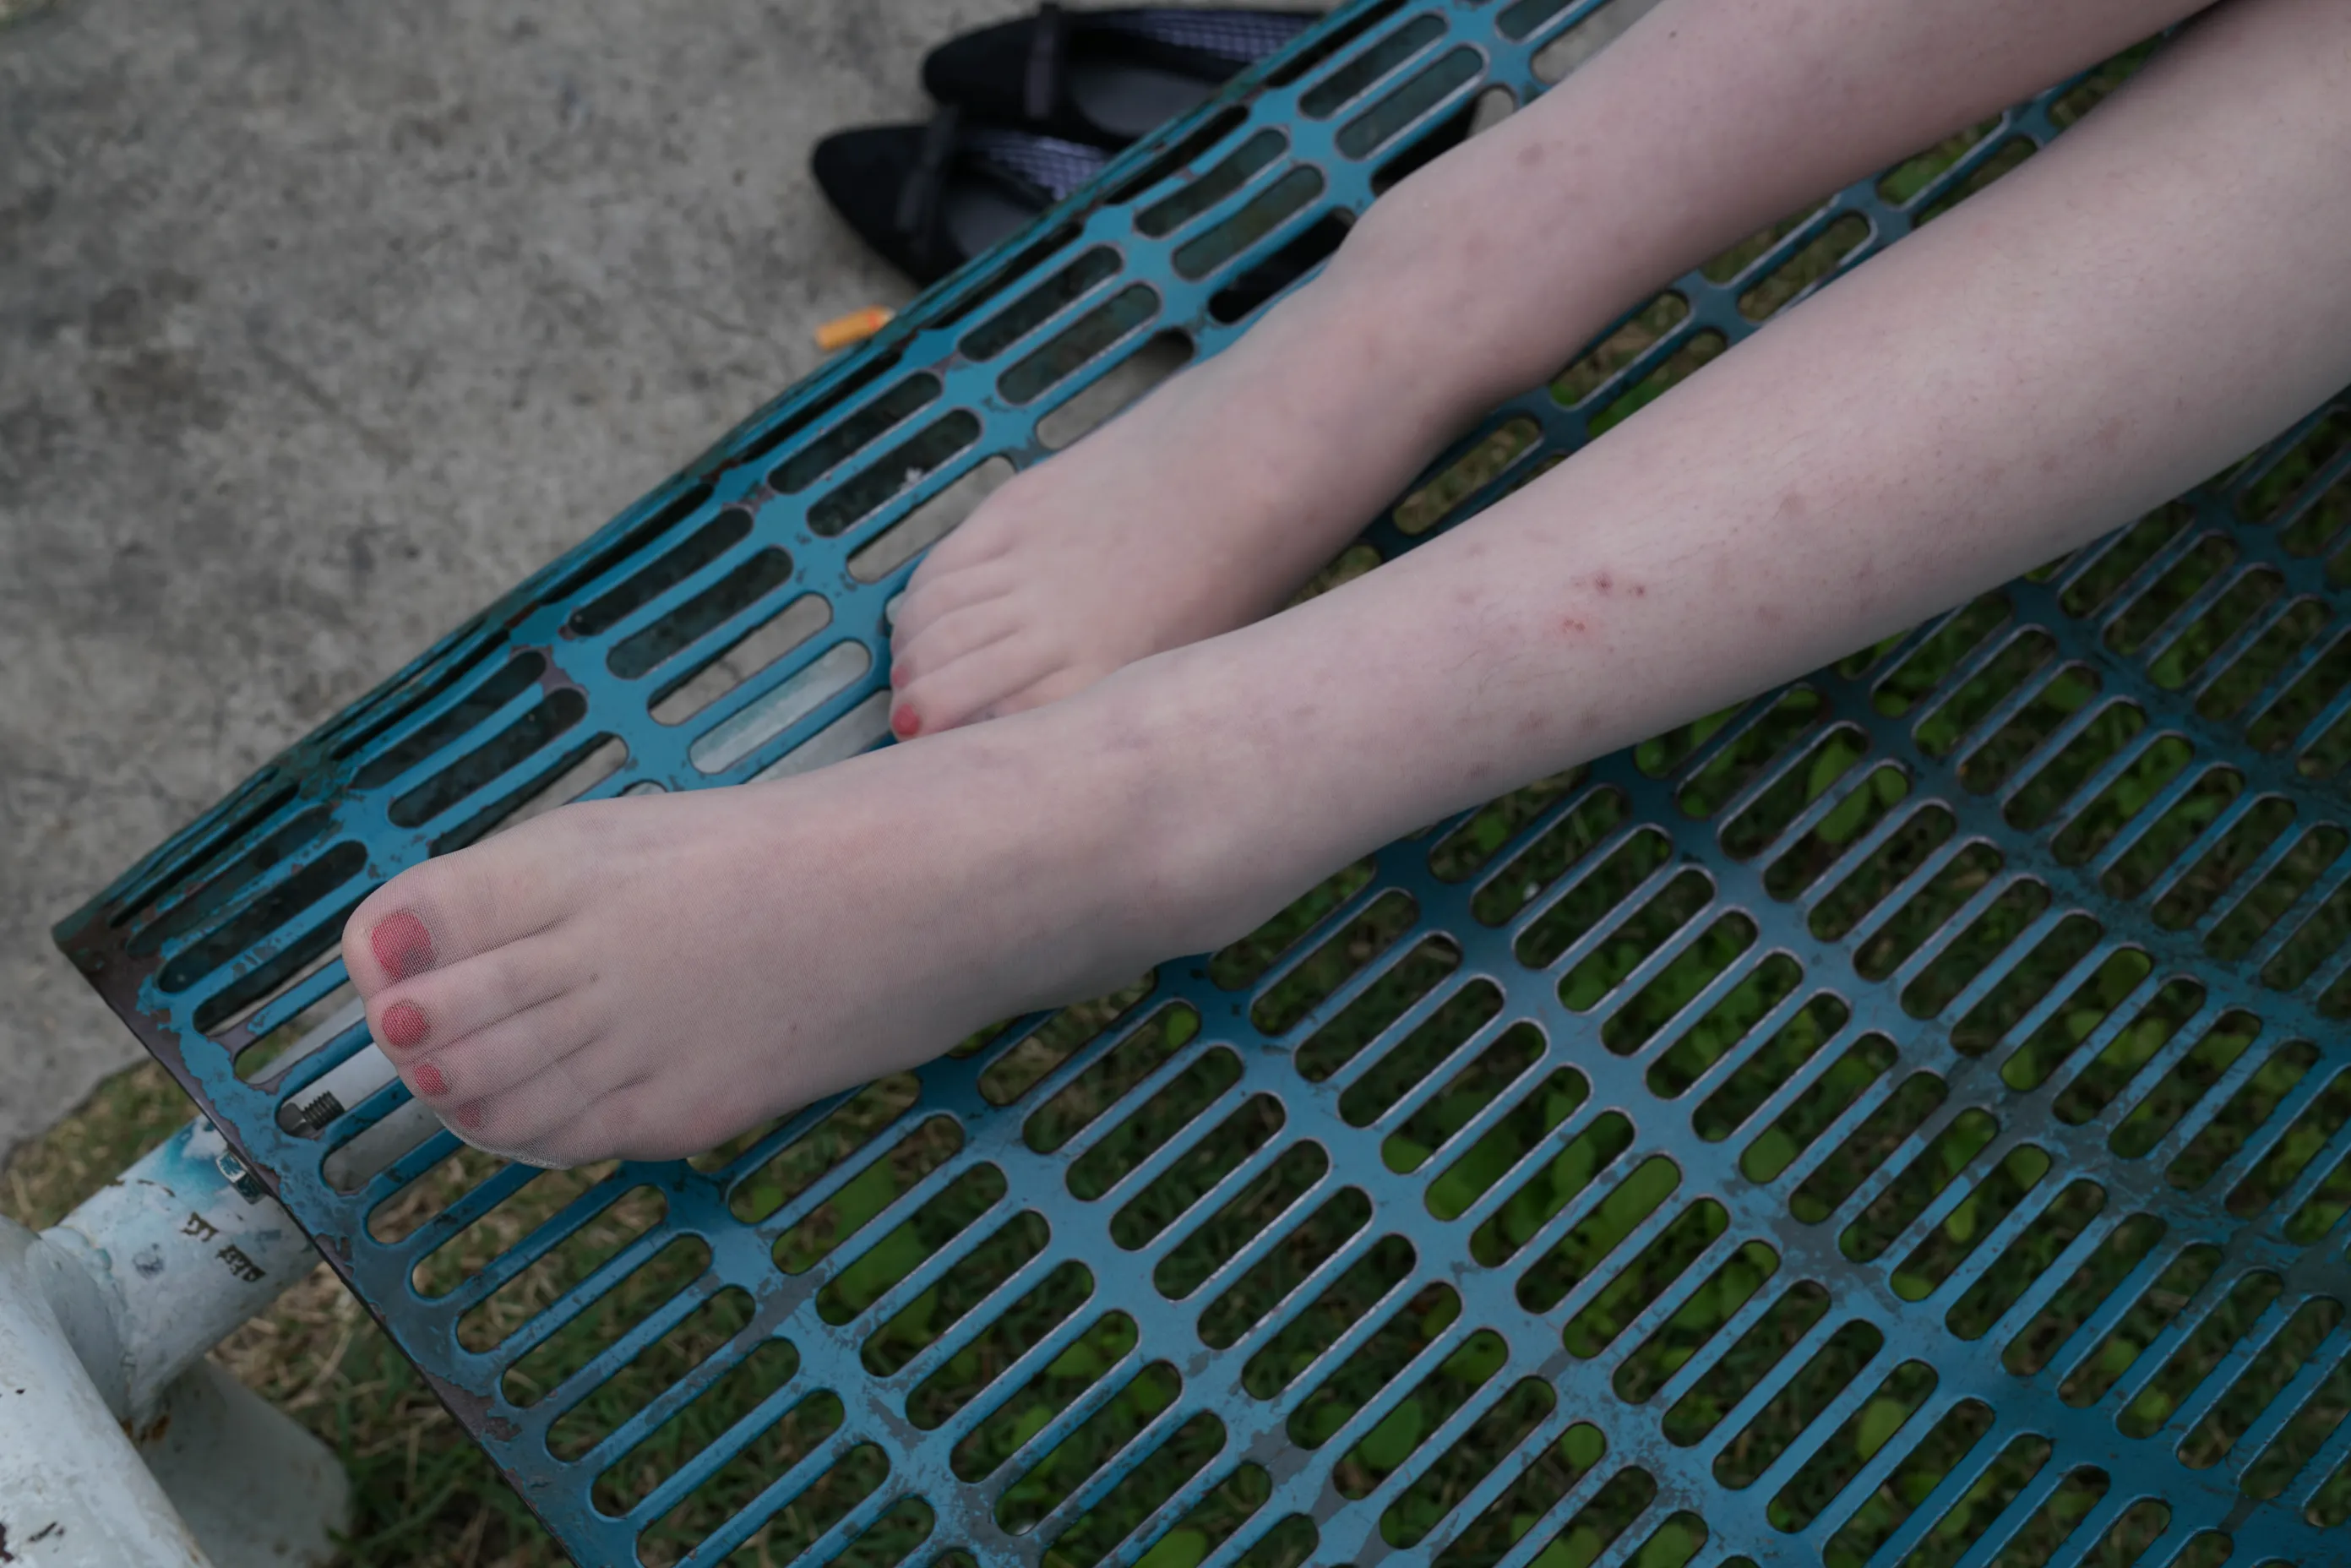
[429, 1079]
[903, 722]
[404, 1026]
[402, 946]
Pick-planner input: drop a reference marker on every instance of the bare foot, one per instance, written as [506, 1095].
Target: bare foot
[648, 977]
[1200, 510]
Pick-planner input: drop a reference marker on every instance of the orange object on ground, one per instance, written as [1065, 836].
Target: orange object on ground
[854, 328]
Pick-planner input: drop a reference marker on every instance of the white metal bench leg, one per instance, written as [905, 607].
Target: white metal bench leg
[120, 1444]
[72, 1489]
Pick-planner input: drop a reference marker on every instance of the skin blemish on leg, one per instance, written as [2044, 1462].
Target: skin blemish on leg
[1605, 583]
[429, 1080]
[1769, 614]
[404, 1026]
[1865, 586]
[1574, 627]
[1640, 590]
[402, 946]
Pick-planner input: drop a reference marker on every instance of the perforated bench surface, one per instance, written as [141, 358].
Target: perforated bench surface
[1901, 1122]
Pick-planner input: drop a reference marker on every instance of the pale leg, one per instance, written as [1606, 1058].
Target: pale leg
[2158, 293]
[1207, 505]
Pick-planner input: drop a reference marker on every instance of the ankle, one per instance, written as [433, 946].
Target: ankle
[1370, 336]
[1479, 301]
[1078, 800]
[1210, 841]
[1331, 405]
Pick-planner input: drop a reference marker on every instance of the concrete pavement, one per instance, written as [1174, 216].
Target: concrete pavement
[321, 325]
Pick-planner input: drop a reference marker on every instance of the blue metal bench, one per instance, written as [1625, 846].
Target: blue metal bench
[1901, 1122]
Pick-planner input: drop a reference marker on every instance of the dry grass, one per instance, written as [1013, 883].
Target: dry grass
[425, 1496]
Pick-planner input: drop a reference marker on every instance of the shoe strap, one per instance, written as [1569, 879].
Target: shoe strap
[1049, 47]
[918, 197]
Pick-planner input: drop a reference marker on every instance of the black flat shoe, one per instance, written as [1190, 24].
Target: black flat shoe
[1107, 77]
[931, 197]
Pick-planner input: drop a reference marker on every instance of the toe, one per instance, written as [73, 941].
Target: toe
[545, 1119]
[540, 1041]
[452, 1002]
[934, 595]
[958, 693]
[958, 634]
[661, 1117]
[611, 1127]
[984, 536]
[445, 911]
